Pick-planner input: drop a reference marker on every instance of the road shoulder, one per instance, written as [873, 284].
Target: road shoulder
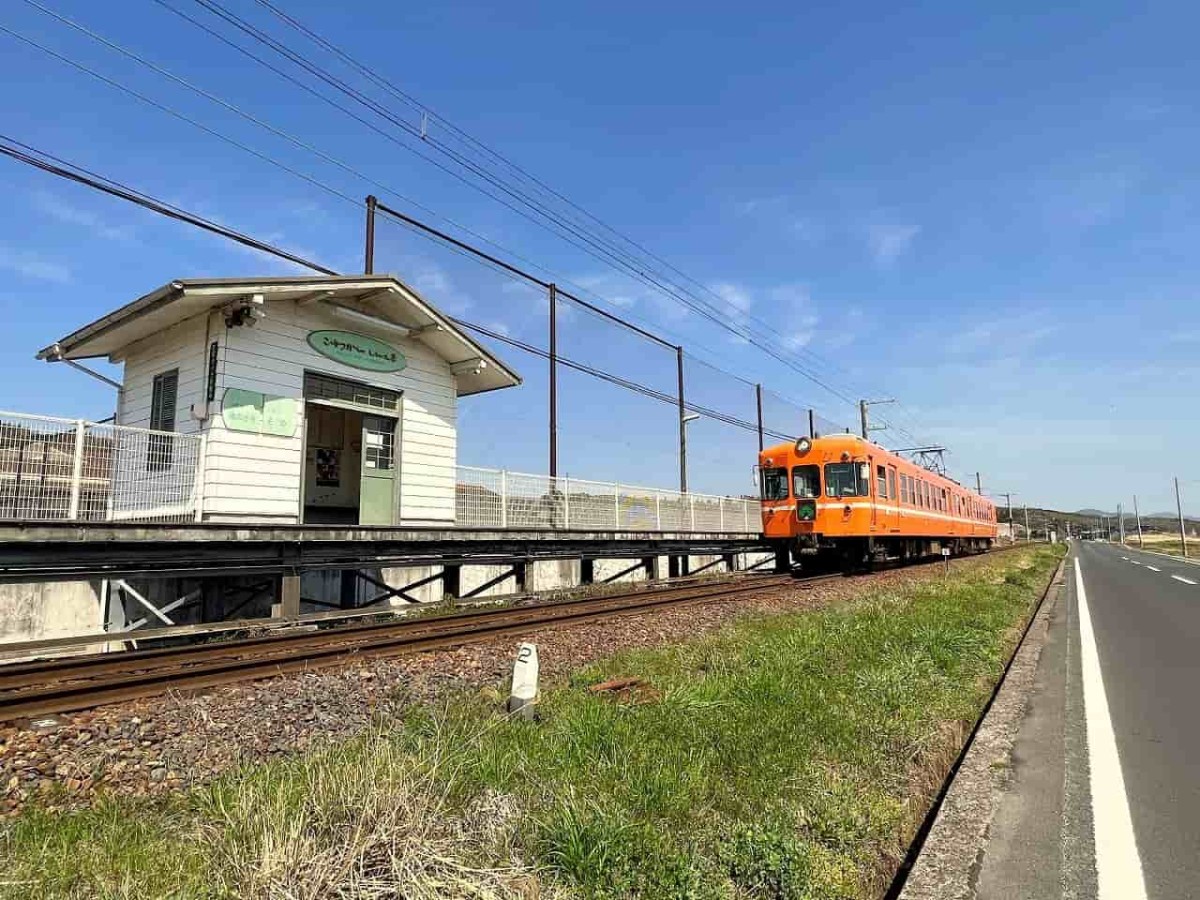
[954, 854]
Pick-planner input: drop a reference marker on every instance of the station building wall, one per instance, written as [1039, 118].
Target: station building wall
[251, 477]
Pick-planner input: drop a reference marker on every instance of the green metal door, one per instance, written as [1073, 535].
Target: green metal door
[377, 490]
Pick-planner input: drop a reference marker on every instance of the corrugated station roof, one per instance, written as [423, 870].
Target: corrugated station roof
[381, 297]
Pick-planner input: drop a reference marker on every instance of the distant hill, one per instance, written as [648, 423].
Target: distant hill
[1084, 519]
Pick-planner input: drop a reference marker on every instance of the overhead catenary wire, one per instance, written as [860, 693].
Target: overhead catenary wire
[54, 165]
[387, 85]
[291, 138]
[593, 247]
[296, 141]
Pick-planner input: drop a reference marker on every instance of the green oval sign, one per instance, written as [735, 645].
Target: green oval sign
[357, 351]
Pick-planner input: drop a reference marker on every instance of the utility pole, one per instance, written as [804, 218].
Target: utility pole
[1182, 530]
[369, 250]
[682, 425]
[1028, 536]
[863, 406]
[758, 403]
[1121, 524]
[978, 484]
[553, 357]
[1007, 495]
[1138, 518]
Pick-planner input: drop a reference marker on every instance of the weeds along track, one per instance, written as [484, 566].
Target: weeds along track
[44, 687]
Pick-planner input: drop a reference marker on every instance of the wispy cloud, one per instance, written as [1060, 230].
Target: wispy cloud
[1007, 337]
[798, 314]
[35, 268]
[791, 309]
[69, 214]
[888, 241]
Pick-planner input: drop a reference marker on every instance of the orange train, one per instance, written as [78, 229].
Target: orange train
[849, 502]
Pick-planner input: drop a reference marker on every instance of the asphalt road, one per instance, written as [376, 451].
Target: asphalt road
[1105, 795]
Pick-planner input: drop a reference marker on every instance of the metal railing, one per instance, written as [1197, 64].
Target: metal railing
[496, 498]
[70, 469]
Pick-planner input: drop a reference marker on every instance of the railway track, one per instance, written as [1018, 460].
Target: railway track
[46, 687]
[30, 690]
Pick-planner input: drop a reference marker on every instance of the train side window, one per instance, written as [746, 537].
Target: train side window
[903, 488]
[806, 482]
[774, 484]
[892, 484]
[881, 482]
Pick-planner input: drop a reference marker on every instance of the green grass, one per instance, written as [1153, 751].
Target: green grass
[783, 757]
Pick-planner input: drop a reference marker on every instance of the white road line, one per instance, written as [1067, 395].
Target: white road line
[1184, 580]
[1118, 866]
[1135, 562]
[1153, 568]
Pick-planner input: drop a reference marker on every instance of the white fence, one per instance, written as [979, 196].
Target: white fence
[494, 498]
[68, 469]
[72, 470]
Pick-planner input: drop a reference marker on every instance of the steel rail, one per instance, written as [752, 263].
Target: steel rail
[83, 682]
[52, 686]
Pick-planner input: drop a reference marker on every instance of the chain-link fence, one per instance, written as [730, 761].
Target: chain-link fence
[69, 469]
[495, 498]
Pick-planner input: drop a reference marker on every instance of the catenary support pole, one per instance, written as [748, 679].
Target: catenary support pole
[1137, 516]
[978, 484]
[553, 381]
[758, 404]
[682, 425]
[812, 424]
[1028, 536]
[1121, 524]
[862, 416]
[369, 252]
[1182, 529]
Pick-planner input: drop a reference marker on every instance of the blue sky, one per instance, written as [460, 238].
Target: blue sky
[987, 214]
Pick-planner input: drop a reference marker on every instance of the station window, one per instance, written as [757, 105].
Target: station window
[160, 447]
[774, 484]
[806, 482]
[881, 482]
[847, 480]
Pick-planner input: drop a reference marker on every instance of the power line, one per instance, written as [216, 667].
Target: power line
[595, 246]
[291, 138]
[57, 166]
[387, 85]
[287, 136]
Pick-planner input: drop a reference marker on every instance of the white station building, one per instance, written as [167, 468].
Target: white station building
[321, 400]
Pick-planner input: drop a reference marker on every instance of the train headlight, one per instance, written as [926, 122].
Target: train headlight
[803, 445]
[806, 510]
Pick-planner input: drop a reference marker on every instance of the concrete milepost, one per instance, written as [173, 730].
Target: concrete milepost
[524, 694]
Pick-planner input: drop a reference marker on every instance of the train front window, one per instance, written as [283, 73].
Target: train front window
[806, 482]
[774, 484]
[846, 480]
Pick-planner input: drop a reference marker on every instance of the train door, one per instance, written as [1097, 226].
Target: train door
[893, 509]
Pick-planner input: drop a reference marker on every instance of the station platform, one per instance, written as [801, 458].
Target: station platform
[69, 578]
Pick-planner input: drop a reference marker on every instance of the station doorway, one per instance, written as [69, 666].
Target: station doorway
[349, 452]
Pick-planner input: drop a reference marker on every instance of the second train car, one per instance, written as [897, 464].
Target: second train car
[844, 501]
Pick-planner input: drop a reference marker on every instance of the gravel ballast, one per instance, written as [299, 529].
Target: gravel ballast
[174, 741]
